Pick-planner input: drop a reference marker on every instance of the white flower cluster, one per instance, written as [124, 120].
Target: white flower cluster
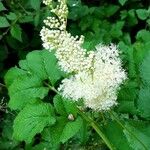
[71, 56]
[97, 74]
[61, 10]
[47, 2]
[98, 88]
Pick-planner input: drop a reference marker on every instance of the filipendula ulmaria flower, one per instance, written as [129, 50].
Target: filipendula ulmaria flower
[97, 87]
[97, 75]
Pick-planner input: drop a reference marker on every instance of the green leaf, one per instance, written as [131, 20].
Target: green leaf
[23, 64]
[3, 22]
[122, 2]
[141, 131]
[71, 128]
[35, 4]
[143, 102]
[130, 90]
[44, 146]
[64, 106]
[111, 10]
[11, 16]
[16, 32]
[44, 64]
[12, 74]
[65, 130]
[145, 70]
[127, 107]
[32, 120]
[26, 19]
[140, 51]
[115, 134]
[27, 85]
[131, 18]
[116, 30]
[142, 14]
[37, 19]
[129, 52]
[143, 35]
[2, 7]
[26, 89]
[50, 134]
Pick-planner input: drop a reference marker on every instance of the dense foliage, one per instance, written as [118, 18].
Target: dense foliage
[34, 116]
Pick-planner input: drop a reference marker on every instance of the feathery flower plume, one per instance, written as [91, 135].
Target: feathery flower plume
[97, 75]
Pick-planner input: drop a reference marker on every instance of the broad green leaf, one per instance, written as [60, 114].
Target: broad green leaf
[59, 105]
[111, 10]
[141, 131]
[129, 91]
[27, 85]
[71, 128]
[143, 35]
[44, 64]
[116, 30]
[16, 32]
[35, 4]
[142, 13]
[83, 134]
[65, 130]
[122, 2]
[3, 22]
[50, 134]
[143, 102]
[23, 64]
[131, 18]
[2, 7]
[129, 52]
[32, 120]
[127, 107]
[145, 70]
[44, 146]
[115, 134]
[26, 89]
[12, 74]
[141, 49]
[64, 106]
[11, 16]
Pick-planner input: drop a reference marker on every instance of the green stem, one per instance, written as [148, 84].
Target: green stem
[97, 129]
[3, 85]
[130, 132]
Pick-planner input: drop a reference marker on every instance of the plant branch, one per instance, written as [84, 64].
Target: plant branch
[2, 85]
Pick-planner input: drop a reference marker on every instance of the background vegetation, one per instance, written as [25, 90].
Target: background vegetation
[123, 22]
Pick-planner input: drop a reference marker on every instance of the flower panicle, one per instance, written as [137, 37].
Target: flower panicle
[97, 75]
